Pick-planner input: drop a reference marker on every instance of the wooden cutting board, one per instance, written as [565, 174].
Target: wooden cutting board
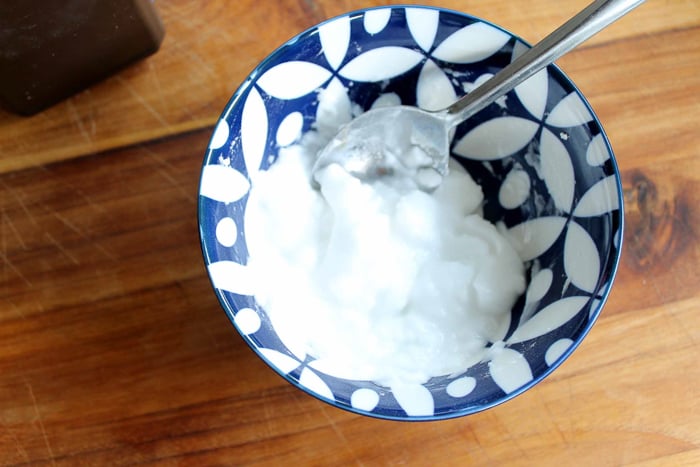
[114, 350]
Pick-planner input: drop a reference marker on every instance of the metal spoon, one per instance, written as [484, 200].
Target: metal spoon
[404, 143]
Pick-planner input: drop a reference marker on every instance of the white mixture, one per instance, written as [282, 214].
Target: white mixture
[382, 283]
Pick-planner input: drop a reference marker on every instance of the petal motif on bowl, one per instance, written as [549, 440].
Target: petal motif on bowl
[364, 399]
[535, 236]
[599, 199]
[314, 383]
[461, 387]
[415, 399]
[434, 90]
[290, 80]
[557, 170]
[556, 350]
[487, 141]
[581, 258]
[483, 41]
[375, 20]
[247, 320]
[539, 285]
[222, 183]
[335, 38]
[226, 232]
[423, 25]
[570, 111]
[519, 48]
[532, 93]
[617, 238]
[289, 129]
[595, 303]
[254, 125]
[387, 99]
[515, 188]
[220, 135]
[509, 370]
[282, 362]
[597, 152]
[549, 318]
[231, 277]
[380, 64]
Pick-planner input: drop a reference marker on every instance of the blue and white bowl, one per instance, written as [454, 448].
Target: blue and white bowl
[543, 136]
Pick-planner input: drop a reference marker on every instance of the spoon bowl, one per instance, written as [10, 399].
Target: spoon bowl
[401, 143]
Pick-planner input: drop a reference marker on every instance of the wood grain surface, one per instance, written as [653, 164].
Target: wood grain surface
[114, 350]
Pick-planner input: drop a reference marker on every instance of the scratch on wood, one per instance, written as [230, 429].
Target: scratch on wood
[152, 71]
[75, 116]
[9, 304]
[513, 439]
[481, 447]
[185, 12]
[104, 251]
[340, 435]
[3, 238]
[553, 420]
[61, 248]
[22, 452]
[88, 199]
[82, 234]
[6, 262]
[93, 123]
[203, 64]
[673, 313]
[143, 101]
[268, 414]
[69, 224]
[19, 201]
[6, 220]
[41, 421]
[161, 166]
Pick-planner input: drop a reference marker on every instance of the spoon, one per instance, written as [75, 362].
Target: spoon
[404, 143]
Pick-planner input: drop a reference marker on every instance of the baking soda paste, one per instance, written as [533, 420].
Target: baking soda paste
[378, 282]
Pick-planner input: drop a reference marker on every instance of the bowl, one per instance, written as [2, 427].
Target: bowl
[540, 155]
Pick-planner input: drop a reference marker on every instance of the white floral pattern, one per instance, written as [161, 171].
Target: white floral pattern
[539, 152]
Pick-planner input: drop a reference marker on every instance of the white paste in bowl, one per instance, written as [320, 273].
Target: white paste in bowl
[377, 282]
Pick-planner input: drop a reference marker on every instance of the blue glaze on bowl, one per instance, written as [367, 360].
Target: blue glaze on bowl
[568, 225]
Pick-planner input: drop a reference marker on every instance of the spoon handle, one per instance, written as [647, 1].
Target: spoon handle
[585, 24]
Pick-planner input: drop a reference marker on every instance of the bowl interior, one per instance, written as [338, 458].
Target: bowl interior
[540, 155]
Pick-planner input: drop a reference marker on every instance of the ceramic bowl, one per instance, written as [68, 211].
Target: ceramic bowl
[540, 155]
